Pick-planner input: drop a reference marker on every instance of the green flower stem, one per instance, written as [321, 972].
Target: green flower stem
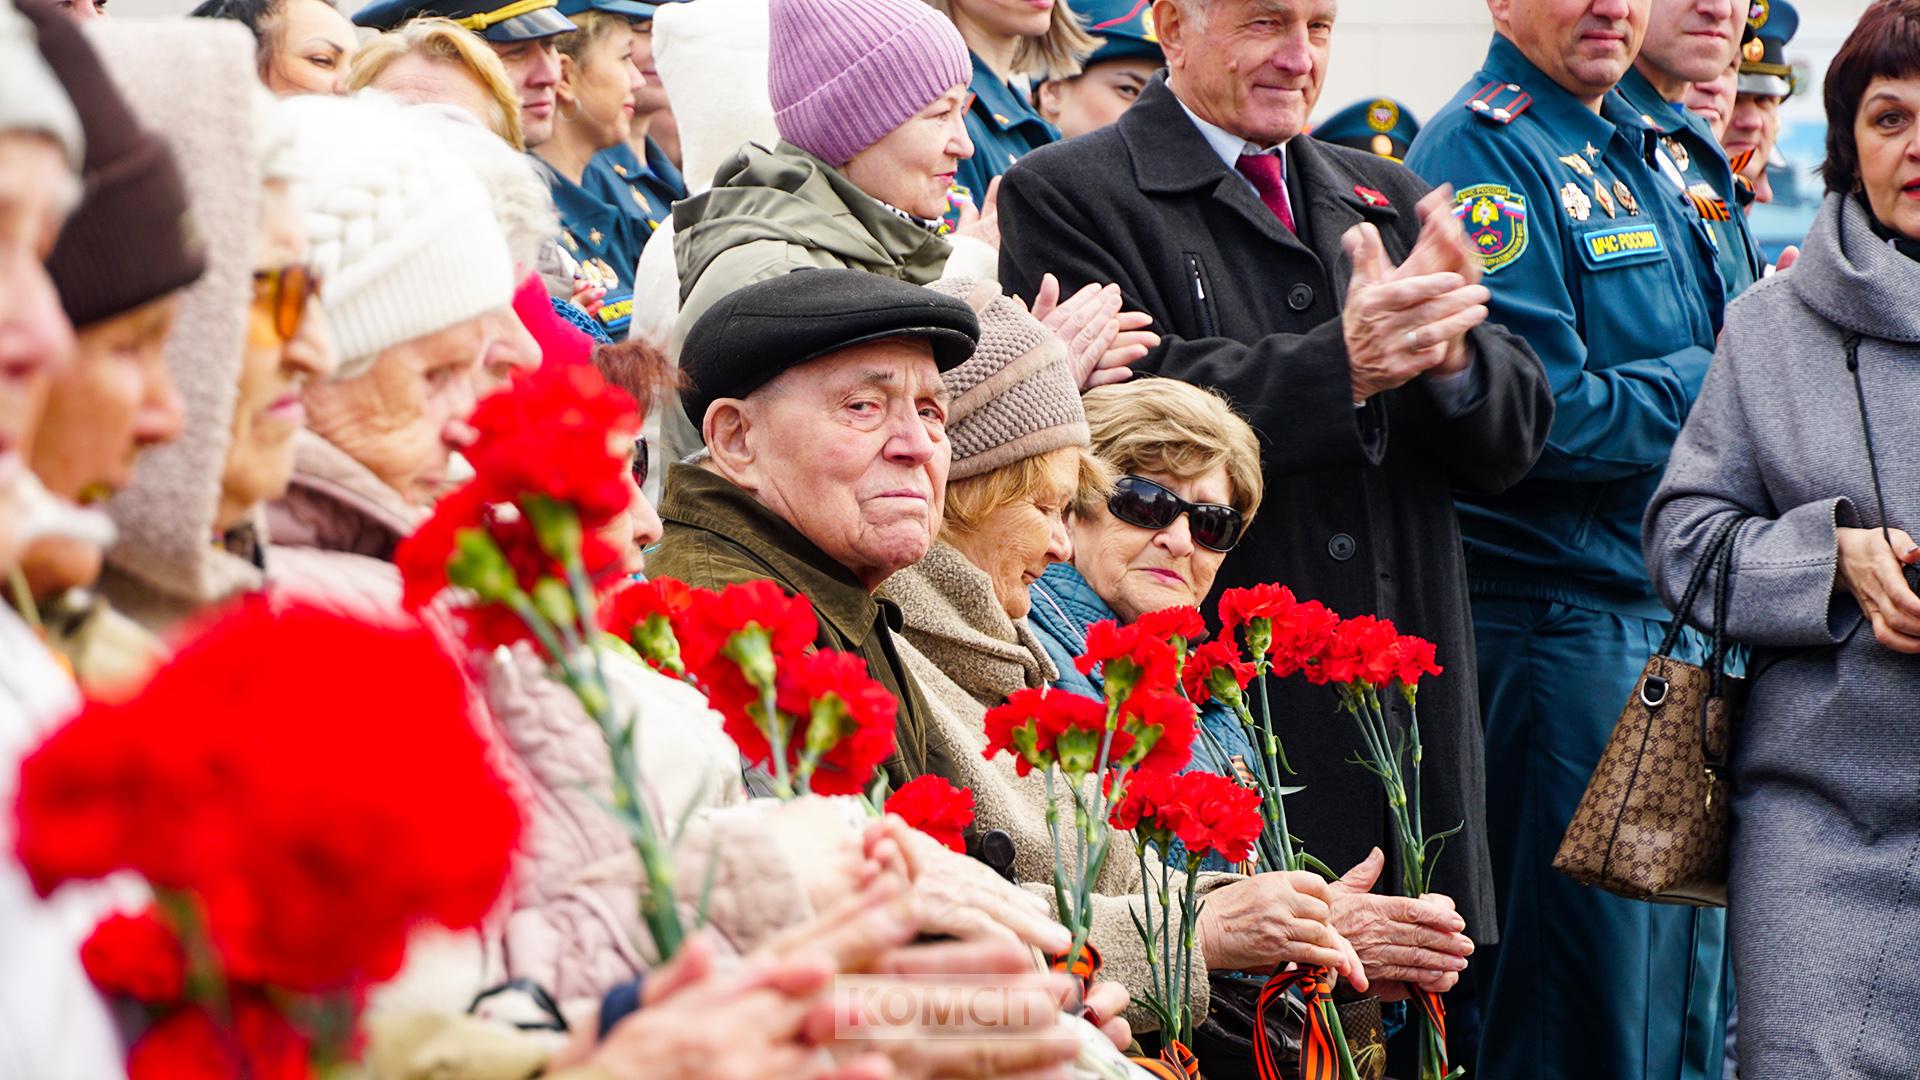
[1189, 917]
[1271, 761]
[1059, 857]
[776, 738]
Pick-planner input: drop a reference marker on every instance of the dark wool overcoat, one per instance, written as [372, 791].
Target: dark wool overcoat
[1359, 503]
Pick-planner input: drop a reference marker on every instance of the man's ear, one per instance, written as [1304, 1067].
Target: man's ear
[1170, 26]
[726, 428]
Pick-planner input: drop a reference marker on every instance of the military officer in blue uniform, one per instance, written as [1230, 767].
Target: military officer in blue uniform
[599, 238]
[1593, 259]
[521, 33]
[1380, 126]
[644, 190]
[1680, 50]
[1113, 77]
[1766, 80]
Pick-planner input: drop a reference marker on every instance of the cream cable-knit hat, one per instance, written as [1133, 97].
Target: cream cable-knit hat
[1016, 397]
[402, 232]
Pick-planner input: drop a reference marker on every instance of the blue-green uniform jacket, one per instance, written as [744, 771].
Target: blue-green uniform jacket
[1003, 125]
[1608, 279]
[644, 191]
[597, 235]
[1701, 178]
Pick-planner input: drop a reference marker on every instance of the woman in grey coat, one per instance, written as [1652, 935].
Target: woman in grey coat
[1825, 877]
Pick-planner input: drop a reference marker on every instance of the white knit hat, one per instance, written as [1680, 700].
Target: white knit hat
[402, 234]
[30, 97]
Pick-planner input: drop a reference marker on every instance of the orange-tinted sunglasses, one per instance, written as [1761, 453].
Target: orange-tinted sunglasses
[288, 290]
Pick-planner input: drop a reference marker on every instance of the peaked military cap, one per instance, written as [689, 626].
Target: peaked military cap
[502, 23]
[1763, 61]
[637, 10]
[1380, 126]
[758, 331]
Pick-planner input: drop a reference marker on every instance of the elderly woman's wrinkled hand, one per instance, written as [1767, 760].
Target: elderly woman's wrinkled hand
[1102, 341]
[1275, 918]
[1400, 939]
[1872, 575]
[983, 223]
[961, 897]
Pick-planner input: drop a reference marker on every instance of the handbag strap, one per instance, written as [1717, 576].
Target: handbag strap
[1709, 559]
[1852, 345]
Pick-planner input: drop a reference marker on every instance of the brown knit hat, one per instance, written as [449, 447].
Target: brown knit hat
[1016, 398]
[130, 241]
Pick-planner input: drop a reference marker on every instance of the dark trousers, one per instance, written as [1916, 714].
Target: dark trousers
[1583, 983]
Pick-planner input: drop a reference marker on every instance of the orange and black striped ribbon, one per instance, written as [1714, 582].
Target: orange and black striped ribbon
[1714, 209]
[1741, 160]
[1085, 967]
[1435, 1011]
[1318, 1058]
[1176, 1062]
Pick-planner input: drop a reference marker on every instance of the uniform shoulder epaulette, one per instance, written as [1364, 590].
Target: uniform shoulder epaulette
[1499, 102]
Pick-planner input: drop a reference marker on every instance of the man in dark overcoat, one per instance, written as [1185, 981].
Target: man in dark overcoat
[1339, 306]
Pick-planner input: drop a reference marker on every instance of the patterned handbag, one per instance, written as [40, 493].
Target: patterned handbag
[1653, 822]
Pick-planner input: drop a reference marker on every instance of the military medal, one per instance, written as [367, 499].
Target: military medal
[1575, 201]
[1677, 152]
[1600, 196]
[1624, 196]
[1578, 164]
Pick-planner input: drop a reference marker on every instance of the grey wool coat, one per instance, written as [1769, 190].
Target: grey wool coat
[1825, 879]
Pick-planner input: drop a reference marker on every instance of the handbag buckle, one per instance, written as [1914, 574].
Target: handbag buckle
[1653, 691]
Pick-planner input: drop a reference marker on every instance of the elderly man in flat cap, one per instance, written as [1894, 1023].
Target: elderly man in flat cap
[819, 396]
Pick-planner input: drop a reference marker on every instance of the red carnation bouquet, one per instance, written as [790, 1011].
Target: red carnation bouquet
[294, 828]
[935, 807]
[1365, 658]
[1092, 750]
[1211, 814]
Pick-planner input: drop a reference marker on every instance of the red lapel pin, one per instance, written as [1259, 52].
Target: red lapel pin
[1370, 196]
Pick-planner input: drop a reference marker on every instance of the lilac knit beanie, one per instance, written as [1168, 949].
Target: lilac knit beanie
[843, 73]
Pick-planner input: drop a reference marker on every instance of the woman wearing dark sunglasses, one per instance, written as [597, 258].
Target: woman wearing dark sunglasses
[1189, 483]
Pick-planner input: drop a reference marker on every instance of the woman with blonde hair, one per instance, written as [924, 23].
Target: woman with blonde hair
[435, 60]
[1012, 43]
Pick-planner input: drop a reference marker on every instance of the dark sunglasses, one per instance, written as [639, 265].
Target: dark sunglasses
[1141, 502]
[288, 290]
[639, 465]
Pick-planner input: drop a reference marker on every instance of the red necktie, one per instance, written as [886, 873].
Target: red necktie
[1264, 171]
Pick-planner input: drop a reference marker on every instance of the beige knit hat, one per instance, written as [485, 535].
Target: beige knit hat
[1016, 398]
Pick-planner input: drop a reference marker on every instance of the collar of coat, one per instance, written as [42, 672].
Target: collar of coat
[1171, 156]
[955, 620]
[699, 498]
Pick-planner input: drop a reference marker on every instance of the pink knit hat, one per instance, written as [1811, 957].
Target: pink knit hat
[843, 73]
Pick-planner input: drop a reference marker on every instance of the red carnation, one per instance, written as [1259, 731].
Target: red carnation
[1238, 607]
[1148, 808]
[1127, 658]
[1300, 635]
[781, 626]
[1167, 624]
[1041, 727]
[935, 807]
[558, 431]
[641, 613]
[1361, 650]
[1215, 671]
[137, 956]
[1413, 657]
[844, 718]
[190, 1045]
[1158, 729]
[315, 843]
[1218, 816]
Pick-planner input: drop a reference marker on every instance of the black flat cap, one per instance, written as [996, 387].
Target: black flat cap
[754, 333]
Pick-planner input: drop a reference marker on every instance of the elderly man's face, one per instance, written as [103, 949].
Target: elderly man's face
[1583, 45]
[1251, 67]
[851, 449]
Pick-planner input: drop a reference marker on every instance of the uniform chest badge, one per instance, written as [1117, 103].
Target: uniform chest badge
[1603, 198]
[1624, 196]
[1592, 152]
[1495, 219]
[567, 239]
[1577, 205]
[1678, 152]
[1578, 164]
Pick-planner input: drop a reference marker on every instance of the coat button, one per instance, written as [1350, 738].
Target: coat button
[1300, 297]
[1341, 547]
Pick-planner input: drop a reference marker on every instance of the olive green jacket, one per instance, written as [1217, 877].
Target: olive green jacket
[718, 535]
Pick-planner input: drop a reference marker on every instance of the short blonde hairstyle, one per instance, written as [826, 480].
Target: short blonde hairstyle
[595, 27]
[970, 502]
[1175, 429]
[1057, 54]
[445, 42]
